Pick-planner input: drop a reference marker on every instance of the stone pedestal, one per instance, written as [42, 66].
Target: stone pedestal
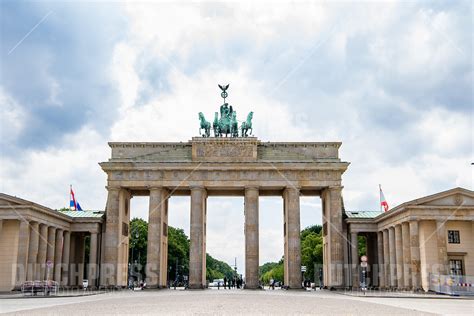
[251, 238]
[197, 256]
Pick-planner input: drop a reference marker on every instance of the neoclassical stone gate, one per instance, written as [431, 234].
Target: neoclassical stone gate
[206, 167]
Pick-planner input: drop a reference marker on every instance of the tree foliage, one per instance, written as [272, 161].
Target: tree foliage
[138, 243]
[178, 252]
[216, 269]
[311, 255]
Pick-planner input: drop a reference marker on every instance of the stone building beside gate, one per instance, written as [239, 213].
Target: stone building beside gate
[432, 234]
[405, 244]
[31, 235]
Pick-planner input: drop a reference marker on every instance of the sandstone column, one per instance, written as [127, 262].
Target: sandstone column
[442, 248]
[393, 257]
[355, 260]
[406, 255]
[92, 275]
[380, 260]
[197, 256]
[22, 257]
[335, 237]
[33, 250]
[293, 239]
[66, 258]
[109, 268]
[1, 226]
[50, 252]
[251, 238]
[58, 255]
[415, 255]
[399, 256]
[40, 270]
[386, 258]
[156, 249]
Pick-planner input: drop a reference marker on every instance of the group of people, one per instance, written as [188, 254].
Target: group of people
[232, 283]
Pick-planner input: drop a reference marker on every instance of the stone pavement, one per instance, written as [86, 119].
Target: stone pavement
[234, 302]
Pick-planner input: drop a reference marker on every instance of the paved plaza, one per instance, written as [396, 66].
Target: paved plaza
[235, 302]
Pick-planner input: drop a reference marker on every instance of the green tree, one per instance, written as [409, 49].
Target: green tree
[311, 249]
[311, 253]
[362, 241]
[138, 243]
[178, 253]
[216, 269]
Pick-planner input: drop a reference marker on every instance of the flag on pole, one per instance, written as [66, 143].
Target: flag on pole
[72, 200]
[383, 201]
[73, 204]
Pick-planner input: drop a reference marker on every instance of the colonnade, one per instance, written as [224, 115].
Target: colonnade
[40, 244]
[116, 243]
[398, 255]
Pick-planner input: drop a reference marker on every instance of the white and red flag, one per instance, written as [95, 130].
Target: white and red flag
[383, 201]
[72, 200]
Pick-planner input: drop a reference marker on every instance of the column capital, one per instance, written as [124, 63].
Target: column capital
[293, 188]
[251, 187]
[112, 188]
[154, 187]
[197, 187]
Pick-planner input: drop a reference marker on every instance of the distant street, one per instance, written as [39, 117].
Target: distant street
[229, 302]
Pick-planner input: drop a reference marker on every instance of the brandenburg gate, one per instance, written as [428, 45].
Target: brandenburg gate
[222, 166]
[211, 166]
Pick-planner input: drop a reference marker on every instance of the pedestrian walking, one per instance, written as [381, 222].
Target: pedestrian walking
[225, 282]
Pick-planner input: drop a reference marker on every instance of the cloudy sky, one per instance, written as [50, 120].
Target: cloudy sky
[391, 80]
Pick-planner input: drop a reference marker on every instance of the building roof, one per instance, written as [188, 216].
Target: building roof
[96, 214]
[363, 214]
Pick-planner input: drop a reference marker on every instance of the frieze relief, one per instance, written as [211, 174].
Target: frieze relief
[210, 150]
[221, 175]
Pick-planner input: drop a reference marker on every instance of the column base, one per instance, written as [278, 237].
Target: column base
[251, 287]
[196, 287]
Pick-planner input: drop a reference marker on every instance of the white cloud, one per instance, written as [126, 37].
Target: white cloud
[366, 75]
[12, 118]
[44, 176]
